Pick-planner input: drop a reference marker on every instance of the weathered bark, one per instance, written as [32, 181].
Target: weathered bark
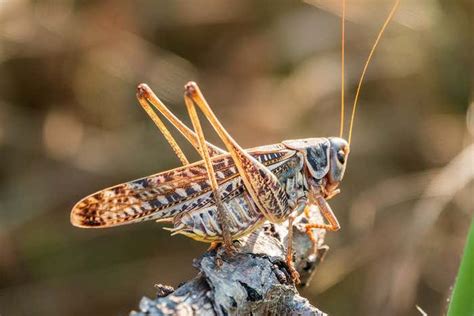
[256, 280]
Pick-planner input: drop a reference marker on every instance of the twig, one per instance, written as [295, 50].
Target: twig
[254, 281]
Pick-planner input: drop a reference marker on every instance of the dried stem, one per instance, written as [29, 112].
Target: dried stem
[256, 280]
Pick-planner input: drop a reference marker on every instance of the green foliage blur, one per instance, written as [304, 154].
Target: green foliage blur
[461, 302]
[70, 125]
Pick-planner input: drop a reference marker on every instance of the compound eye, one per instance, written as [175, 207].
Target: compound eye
[341, 156]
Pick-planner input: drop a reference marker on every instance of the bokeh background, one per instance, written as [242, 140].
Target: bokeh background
[70, 125]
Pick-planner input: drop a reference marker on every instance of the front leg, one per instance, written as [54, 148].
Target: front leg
[316, 200]
[295, 276]
[328, 214]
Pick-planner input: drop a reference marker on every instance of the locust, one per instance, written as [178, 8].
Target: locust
[232, 191]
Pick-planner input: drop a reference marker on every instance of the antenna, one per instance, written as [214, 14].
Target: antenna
[341, 130]
[390, 15]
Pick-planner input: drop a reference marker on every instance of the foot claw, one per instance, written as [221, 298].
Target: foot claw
[295, 276]
[229, 250]
[218, 260]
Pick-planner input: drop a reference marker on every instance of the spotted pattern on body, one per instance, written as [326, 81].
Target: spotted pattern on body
[164, 195]
[201, 222]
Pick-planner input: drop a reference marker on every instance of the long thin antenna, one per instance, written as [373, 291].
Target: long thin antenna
[341, 130]
[392, 12]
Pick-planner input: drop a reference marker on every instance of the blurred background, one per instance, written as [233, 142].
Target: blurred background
[70, 125]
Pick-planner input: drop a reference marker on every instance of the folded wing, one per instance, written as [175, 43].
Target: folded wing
[164, 195]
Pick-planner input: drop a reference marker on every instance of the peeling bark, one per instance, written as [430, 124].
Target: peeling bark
[254, 281]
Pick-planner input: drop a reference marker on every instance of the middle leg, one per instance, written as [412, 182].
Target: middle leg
[326, 211]
[295, 276]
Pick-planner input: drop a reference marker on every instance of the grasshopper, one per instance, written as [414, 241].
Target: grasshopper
[231, 191]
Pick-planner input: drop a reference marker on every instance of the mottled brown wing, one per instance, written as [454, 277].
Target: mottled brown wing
[164, 195]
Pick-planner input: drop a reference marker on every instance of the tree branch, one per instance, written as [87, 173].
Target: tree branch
[256, 280]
